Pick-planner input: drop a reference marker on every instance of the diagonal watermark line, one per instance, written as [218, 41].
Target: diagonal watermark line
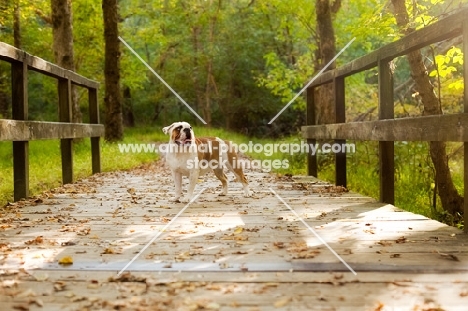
[312, 80]
[162, 80]
[160, 232]
[313, 231]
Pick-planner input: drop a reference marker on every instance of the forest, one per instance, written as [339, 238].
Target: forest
[237, 64]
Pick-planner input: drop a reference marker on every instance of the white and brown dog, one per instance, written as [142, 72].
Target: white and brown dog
[190, 156]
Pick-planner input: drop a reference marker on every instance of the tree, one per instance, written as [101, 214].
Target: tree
[17, 24]
[449, 196]
[325, 12]
[62, 30]
[113, 96]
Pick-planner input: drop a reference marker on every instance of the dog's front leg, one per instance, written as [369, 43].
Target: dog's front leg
[178, 185]
[193, 178]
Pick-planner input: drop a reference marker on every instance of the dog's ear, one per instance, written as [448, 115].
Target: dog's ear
[168, 129]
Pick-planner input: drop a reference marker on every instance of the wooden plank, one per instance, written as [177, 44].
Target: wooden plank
[12, 130]
[453, 127]
[19, 92]
[386, 148]
[203, 255]
[65, 115]
[340, 117]
[446, 28]
[12, 54]
[95, 141]
[465, 109]
[310, 120]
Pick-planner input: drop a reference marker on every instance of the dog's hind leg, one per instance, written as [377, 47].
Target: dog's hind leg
[239, 173]
[219, 172]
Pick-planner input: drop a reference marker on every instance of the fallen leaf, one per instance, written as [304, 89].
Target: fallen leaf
[127, 277]
[238, 230]
[282, 302]
[384, 243]
[37, 240]
[40, 277]
[67, 260]
[448, 256]
[279, 244]
[401, 240]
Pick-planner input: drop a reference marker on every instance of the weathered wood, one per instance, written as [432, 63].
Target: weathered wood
[19, 93]
[340, 110]
[65, 115]
[310, 120]
[465, 109]
[453, 127]
[446, 28]
[95, 141]
[386, 148]
[249, 245]
[12, 130]
[20, 131]
[11, 54]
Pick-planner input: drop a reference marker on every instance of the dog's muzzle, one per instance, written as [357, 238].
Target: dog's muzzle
[187, 140]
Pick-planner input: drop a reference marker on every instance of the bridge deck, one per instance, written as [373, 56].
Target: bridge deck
[225, 252]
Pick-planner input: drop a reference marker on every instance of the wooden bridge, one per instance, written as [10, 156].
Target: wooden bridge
[115, 241]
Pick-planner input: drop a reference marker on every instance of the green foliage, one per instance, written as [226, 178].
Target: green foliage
[447, 68]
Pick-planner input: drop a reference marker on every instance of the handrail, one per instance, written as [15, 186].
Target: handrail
[20, 130]
[387, 130]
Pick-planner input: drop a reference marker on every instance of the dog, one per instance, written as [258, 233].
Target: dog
[190, 156]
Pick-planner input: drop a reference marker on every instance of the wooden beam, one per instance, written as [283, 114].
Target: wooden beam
[11, 54]
[386, 148]
[340, 157]
[19, 93]
[65, 115]
[310, 120]
[453, 127]
[12, 130]
[465, 109]
[95, 141]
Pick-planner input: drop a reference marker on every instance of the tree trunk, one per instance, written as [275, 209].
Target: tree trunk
[128, 116]
[17, 24]
[451, 200]
[325, 11]
[113, 96]
[210, 82]
[197, 46]
[62, 30]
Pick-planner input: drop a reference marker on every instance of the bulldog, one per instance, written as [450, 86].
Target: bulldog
[190, 156]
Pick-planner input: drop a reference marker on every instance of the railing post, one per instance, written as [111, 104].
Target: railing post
[310, 120]
[386, 148]
[465, 109]
[66, 145]
[19, 94]
[340, 115]
[94, 119]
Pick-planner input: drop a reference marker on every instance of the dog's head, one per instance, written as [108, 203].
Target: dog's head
[180, 133]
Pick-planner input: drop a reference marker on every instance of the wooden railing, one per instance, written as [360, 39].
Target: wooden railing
[387, 130]
[20, 131]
